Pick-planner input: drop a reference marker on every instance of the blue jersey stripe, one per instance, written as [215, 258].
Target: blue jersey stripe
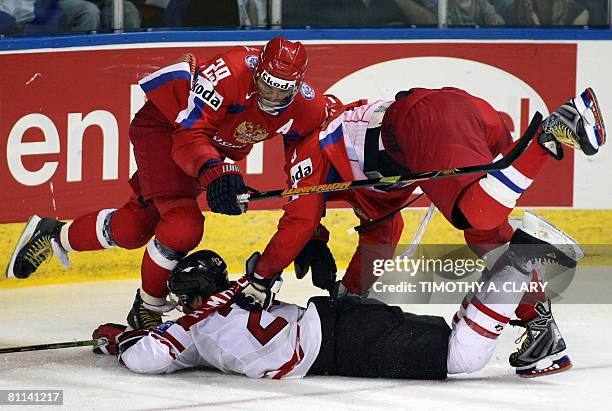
[195, 115]
[507, 182]
[332, 138]
[164, 78]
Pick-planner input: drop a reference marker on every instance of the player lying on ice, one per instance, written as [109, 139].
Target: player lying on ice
[426, 130]
[223, 329]
[198, 113]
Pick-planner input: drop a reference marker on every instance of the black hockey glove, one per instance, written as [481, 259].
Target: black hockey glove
[260, 293]
[223, 183]
[316, 256]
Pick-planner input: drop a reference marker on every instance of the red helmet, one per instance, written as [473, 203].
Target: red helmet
[279, 74]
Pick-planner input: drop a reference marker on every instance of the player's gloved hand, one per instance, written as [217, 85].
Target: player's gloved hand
[259, 294]
[316, 256]
[110, 332]
[223, 183]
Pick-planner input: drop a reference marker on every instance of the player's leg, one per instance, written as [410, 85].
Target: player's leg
[130, 227]
[178, 231]
[578, 123]
[376, 242]
[484, 314]
[173, 194]
[371, 339]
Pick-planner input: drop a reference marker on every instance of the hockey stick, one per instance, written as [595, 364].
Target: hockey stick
[53, 346]
[502, 163]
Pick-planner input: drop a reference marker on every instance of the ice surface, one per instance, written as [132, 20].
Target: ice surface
[37, 315]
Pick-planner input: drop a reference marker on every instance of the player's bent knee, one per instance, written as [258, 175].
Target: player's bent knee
[131, 229]
[181, 229]
[468, 353]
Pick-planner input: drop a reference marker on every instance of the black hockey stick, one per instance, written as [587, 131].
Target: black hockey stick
[502, 163]
[53, 346]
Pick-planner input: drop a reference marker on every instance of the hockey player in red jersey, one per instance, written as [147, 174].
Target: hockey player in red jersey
[348, 337]
[198, 114]
[423, 130]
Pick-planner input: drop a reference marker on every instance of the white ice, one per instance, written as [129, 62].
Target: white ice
[36, 315]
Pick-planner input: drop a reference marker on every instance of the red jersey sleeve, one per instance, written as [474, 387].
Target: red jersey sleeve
[307, 167]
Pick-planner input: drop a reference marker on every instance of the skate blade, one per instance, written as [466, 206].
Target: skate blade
[561, 364]
[590, 100]
[26, 234]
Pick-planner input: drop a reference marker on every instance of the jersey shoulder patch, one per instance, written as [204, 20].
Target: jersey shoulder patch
[251, 61]
[307, 92]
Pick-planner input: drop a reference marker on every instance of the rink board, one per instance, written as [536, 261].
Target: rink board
[65, 129]
[235, 238]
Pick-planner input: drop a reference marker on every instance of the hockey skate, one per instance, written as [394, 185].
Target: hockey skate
[542, 341]
[141, 317]
[36, 245]
[578, 123]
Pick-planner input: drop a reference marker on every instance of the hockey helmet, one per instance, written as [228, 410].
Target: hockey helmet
[202, 273]
[279, 74]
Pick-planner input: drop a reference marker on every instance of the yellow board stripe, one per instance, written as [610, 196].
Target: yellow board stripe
[236, 237]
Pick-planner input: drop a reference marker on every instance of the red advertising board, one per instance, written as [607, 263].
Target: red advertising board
[64, 115]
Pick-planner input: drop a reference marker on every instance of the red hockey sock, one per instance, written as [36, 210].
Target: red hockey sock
[525, 310]
[154, 278]
[532, 160]
[487, 202]
[85, 233]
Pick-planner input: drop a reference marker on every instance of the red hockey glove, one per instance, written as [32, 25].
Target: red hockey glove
[260, 293]
[111, 332]
[223, 183]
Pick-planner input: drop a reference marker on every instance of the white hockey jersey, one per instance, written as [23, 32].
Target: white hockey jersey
[281, 343]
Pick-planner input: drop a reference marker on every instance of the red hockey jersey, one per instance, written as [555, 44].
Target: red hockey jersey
[216, 109]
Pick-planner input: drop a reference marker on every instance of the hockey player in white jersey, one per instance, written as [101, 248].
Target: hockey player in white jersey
[224, 329]
[287, 341]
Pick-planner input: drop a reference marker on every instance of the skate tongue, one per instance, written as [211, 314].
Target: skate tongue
[60, 253]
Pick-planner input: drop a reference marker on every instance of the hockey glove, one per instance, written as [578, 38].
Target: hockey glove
[260, 292]
[111, 332]
[223, 183]
[316, 256]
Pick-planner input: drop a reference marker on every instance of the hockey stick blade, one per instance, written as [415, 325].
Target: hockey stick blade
[53, 346]
[501, 164]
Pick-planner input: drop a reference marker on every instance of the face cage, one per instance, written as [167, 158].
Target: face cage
[183, 302]
[274, 108]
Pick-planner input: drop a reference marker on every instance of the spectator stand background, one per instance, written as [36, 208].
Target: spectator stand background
[88, 16]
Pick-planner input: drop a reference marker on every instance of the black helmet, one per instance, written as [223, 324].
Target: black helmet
[202, 273]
